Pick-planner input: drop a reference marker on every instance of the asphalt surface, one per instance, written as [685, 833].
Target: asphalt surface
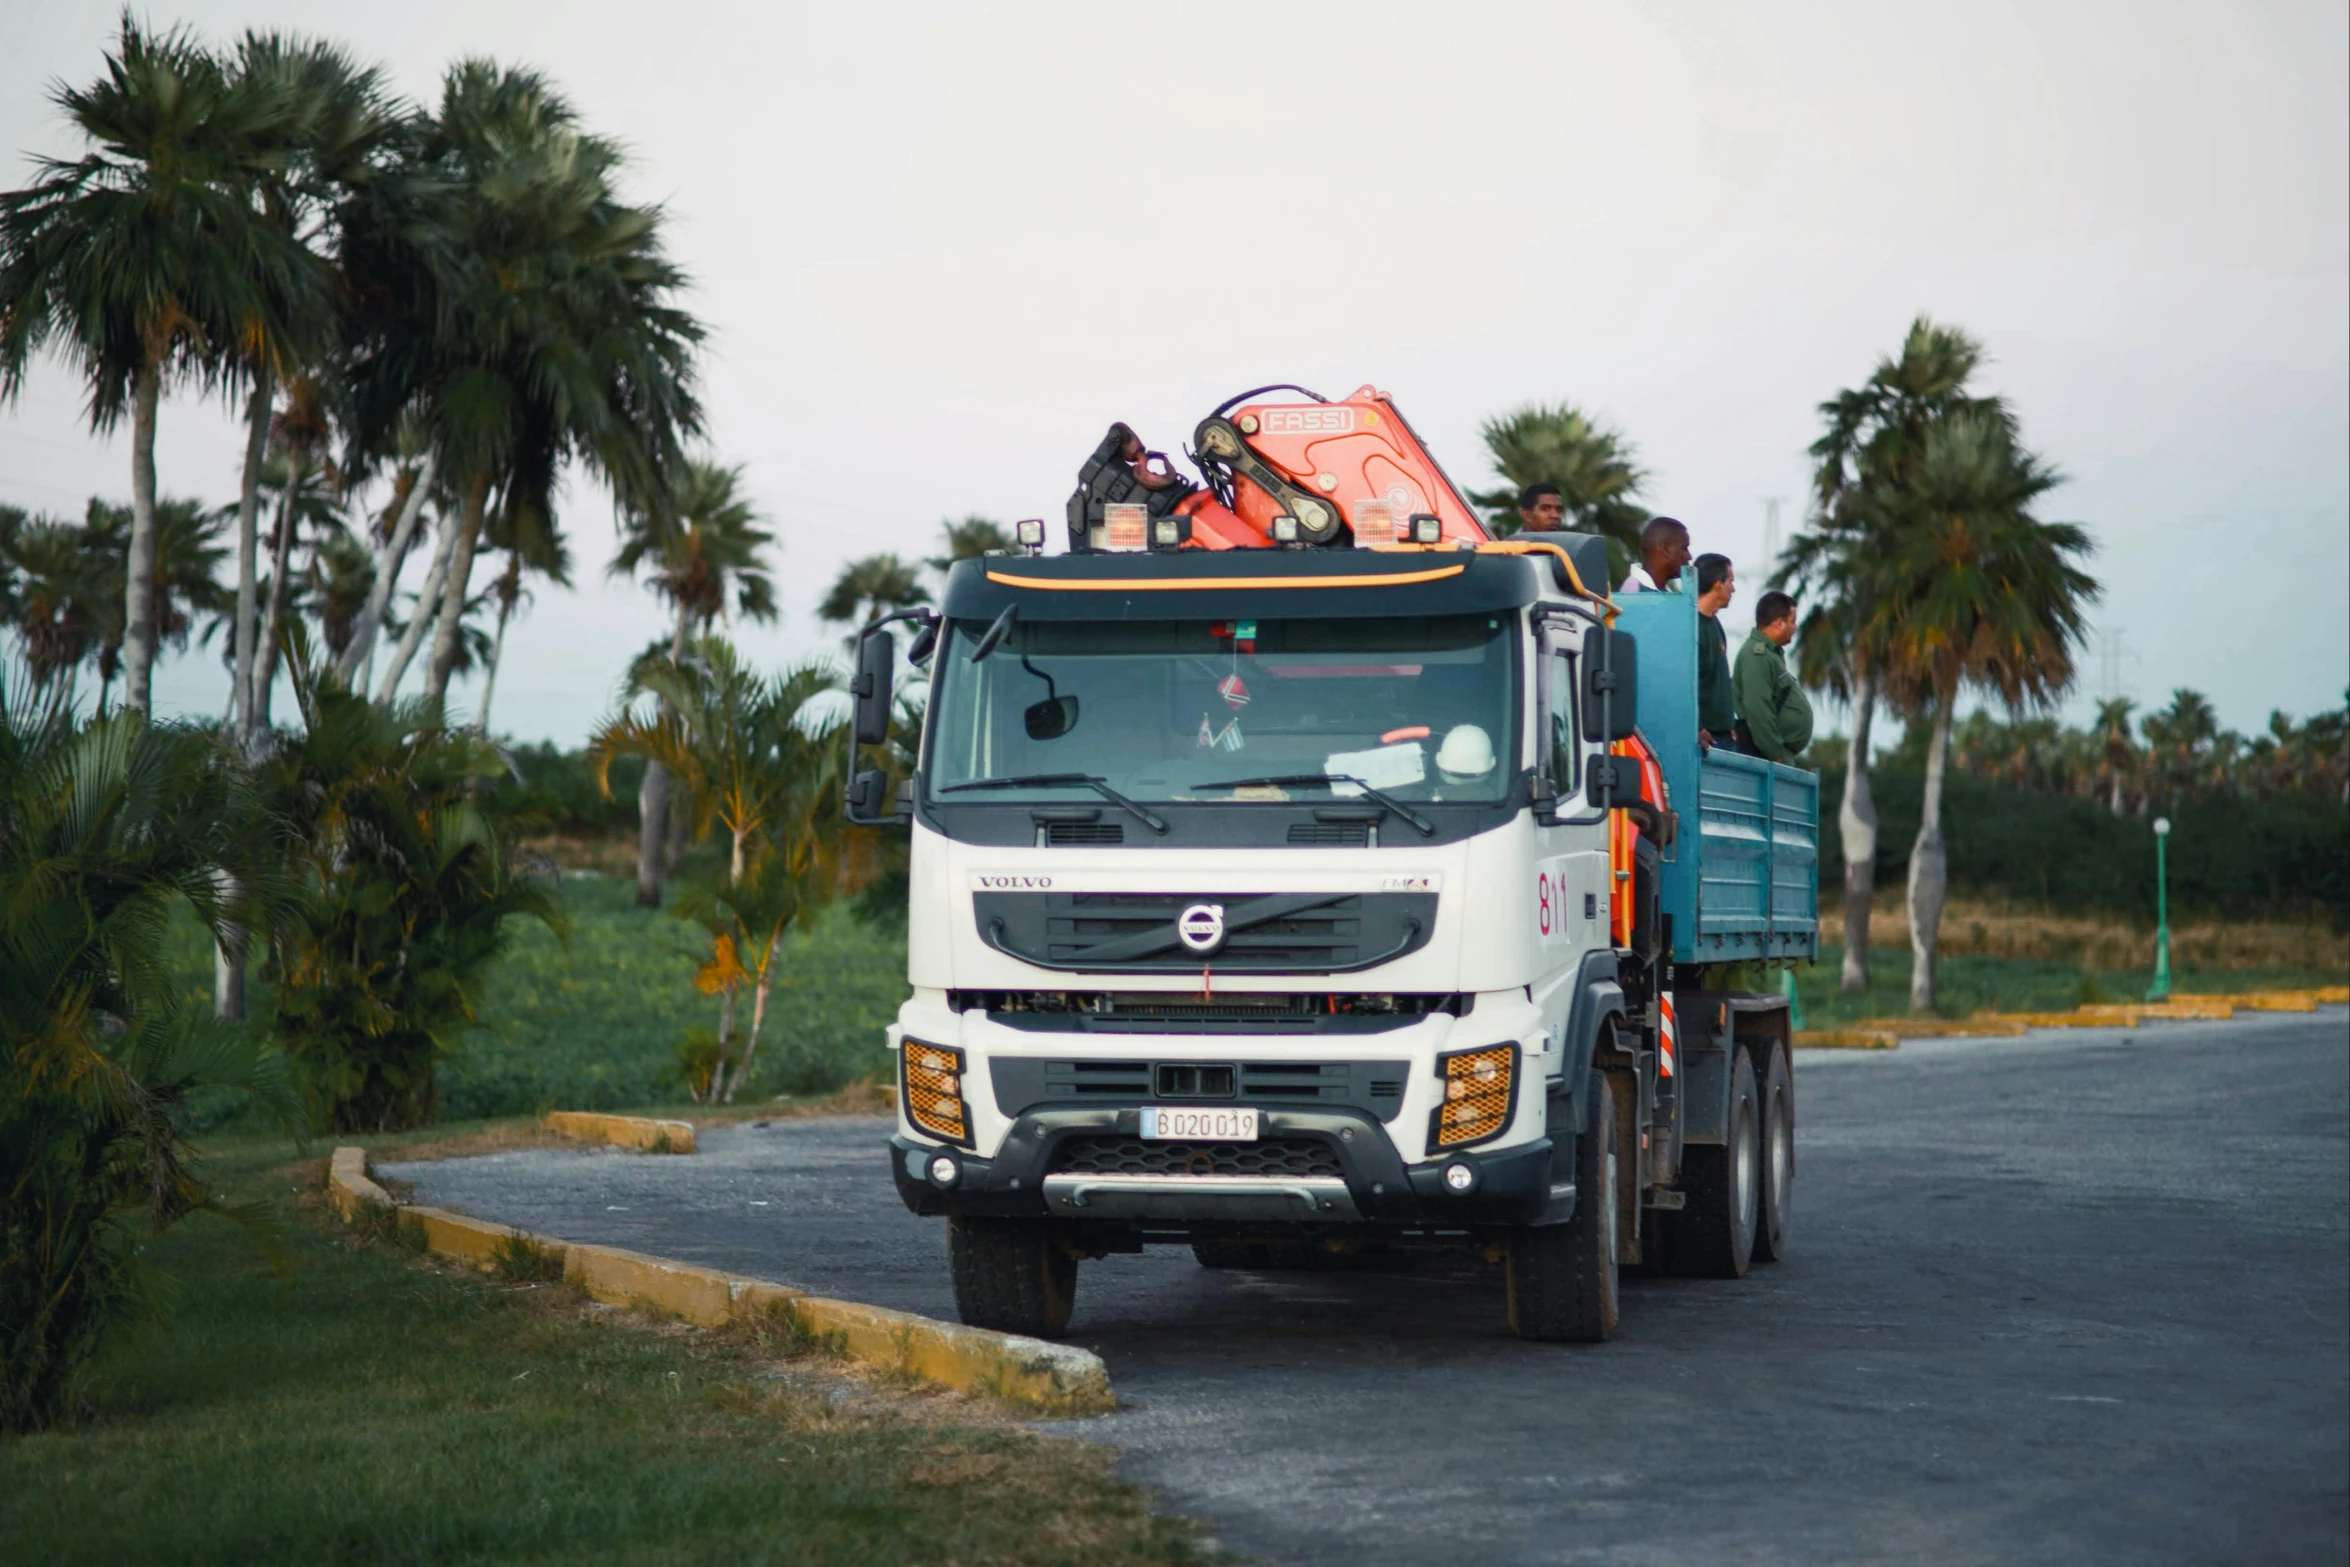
[2079, 1297]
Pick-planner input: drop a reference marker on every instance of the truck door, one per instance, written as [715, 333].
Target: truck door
[1571, 907]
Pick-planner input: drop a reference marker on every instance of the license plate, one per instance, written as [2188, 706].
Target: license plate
[1165, 1123]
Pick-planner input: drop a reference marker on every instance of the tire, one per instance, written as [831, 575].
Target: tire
[1562, 1277]
[1776, 1119]
[1713, 1236]
[1228, 1254]
[1010, 1276]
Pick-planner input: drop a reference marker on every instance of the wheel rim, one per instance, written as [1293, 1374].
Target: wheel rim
[1743, 1161]
[1782, 1156]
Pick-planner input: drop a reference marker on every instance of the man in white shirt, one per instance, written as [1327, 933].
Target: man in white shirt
[1664, 550]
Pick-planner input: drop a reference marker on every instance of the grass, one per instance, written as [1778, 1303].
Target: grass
[369, 1407]
[1969, 983]
[593, 1024]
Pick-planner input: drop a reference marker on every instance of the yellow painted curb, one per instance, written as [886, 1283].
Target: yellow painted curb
[1846, 1039]
[624, 1131]
[2332, 995]
[1987, 1026]
[2261, 1001]
[1053, 1378]
[351, 1189]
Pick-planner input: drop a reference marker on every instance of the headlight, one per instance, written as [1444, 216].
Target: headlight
[930, 1086]
[1480, 1091]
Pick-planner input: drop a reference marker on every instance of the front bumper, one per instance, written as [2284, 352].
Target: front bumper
[1514, 1185]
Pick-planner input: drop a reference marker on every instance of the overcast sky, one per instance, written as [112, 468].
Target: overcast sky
[941, 247]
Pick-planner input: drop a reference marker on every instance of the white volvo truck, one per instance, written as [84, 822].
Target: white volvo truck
[1286, 902]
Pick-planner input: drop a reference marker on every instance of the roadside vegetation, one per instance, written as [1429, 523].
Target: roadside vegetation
[361, 1404]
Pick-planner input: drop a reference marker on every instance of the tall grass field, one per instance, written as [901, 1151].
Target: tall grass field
[592, 1020]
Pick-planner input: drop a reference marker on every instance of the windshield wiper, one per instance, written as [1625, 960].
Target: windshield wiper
[1300, 780]
[1057, 780]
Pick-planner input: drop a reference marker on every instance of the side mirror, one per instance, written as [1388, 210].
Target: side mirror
[865, 798]
[877, 653]
[1610, 782]
[1051, 718]
[1611, 685]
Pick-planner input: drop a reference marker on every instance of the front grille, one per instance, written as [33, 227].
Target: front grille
[1134, 932]
[1074, 834]
[1132, 1156]
[1024, 1083]
[1334, 835]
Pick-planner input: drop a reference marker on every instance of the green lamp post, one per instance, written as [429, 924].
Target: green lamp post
[2160, 989]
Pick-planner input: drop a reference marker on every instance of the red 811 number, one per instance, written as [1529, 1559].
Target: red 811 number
[1542, 901]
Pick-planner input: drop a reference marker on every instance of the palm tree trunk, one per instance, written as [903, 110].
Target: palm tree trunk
[388, 562]
[1928, 865]
[138, 604]
[448, 630]
[1857, 822]
[427, 596]
[652, 800]
[248, 528]
[766, 983]
[281, 555]
[508, 589]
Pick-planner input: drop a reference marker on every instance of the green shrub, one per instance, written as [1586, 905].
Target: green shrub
[408, 881]
[103, 829]
[2285, 857]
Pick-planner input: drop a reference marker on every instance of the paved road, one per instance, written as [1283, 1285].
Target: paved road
[2078, 1297]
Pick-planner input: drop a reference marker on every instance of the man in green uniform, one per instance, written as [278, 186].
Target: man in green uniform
[1717, 719]
[1774, 716]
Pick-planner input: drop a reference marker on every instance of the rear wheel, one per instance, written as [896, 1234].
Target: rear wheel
[1009, 1275]
[1713, 1236]
[1562, 1277]
[1777, 1122]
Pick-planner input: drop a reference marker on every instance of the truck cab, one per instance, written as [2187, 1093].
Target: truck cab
[1284, 903]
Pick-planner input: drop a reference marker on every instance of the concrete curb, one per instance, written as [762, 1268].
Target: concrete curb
[1886, 1033]
[623, 1131]
[1051, 1378]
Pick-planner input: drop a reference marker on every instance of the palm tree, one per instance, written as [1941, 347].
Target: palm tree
[699, 539]
[1591, 464]
[2117, 756]
[759, 761]
[338, 133]
[143, 261]
[1972, 590]
[970, 539]
[868, 589]
[526, 318]
[403, 846]
[532, 544]
[1875, 436]
[106, 830]
[64, 596]
[309, 489]
[182, 583]
[2180, 741]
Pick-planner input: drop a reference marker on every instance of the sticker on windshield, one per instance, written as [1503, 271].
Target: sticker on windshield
[1224, 739]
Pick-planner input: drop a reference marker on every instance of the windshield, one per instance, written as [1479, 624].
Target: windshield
[1415, 709]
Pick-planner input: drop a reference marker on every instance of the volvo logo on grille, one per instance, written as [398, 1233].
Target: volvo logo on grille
[1201, 927]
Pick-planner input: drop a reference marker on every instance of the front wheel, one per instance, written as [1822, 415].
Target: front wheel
[1010, 1275]
[1562, 1277]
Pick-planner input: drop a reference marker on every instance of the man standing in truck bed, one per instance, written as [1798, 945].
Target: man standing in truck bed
[1774, 716]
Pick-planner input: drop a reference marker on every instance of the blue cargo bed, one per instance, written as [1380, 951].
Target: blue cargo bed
[1742, 881]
